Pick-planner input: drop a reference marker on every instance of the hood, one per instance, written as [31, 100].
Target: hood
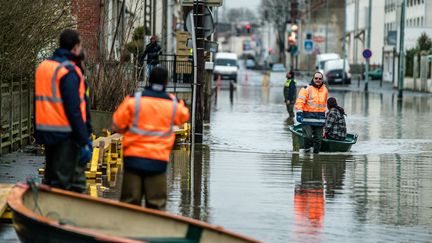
[61, 54]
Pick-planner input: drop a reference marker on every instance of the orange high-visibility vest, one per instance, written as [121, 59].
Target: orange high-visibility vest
[148, 125]
[50, 113]
[311, 99]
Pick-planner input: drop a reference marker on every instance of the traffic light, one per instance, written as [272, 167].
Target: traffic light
[248, 28]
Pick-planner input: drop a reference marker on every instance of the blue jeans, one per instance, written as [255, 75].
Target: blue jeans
[150, 68]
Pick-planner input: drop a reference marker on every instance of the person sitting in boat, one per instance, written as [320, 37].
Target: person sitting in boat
[335, 126]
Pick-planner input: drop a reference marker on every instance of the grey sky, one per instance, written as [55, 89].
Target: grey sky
[251, 4]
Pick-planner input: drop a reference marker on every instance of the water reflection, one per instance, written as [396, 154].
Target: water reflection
[253, 183]
[189, 181]
[322, 177]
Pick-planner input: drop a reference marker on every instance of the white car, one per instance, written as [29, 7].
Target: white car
[226, 65]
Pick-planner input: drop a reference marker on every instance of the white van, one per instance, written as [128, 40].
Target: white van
[226, 65]
[333, 72]
[321, 59]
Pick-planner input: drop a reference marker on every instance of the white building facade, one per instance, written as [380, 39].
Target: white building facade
[418, 20]
[356, 30]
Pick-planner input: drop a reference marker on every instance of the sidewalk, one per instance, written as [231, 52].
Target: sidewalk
[17, 166]
[375, 87]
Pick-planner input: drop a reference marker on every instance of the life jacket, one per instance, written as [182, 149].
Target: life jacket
[148, 125]
[50, 113]
[312, 102]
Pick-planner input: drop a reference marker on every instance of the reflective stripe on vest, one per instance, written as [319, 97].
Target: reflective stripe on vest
[56, 101]
[136, 130]
[288, 82]
[54, 86]
[310, 101]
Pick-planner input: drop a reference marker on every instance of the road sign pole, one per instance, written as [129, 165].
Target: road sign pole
[368, 45]
[199, 9]
[194, 79]
[401, 52]
[344, 45]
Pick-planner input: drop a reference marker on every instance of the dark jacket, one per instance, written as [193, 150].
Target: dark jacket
[152, 51]
[69, 86]
[290, 90]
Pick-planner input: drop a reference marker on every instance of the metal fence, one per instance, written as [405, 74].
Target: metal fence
[180, 69]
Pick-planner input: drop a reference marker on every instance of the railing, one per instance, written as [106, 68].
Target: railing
[180, 69]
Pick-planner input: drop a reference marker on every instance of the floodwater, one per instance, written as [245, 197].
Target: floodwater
[247, 179]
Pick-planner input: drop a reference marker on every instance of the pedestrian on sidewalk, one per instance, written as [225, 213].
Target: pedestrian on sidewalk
[311, 107]
[335, 126]
[290, 94]
[146, 119]
[60, 109]
[152, 51]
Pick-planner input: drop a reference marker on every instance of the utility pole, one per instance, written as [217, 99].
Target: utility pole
[344, 43]
[401, 51]
[154, 17]
[326, 29]
[199, 8]
[368, 37]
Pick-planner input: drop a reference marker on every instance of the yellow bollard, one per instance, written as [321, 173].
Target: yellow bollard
[266, 79]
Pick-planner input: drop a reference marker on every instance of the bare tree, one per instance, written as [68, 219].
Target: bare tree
[29, 32]
[278, 13]
[240, 14]
[110, 78]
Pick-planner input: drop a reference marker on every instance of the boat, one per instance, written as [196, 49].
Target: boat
[46, 214]
[327, 145]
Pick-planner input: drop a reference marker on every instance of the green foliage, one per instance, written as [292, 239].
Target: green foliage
[409, 64]
[136, 45]
[424, 46]
[424, 43]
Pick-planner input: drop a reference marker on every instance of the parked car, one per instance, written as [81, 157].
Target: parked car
[321, 59]
[333, 71]
[278, 67]
[375, 74]
[226, 65]
[250, 64]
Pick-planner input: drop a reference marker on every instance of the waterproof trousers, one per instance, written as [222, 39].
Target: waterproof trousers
[312, 137]
[151, 186]
[63, 169]
[290, 109]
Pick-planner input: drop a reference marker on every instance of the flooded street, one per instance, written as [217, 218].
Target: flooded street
[246, 177]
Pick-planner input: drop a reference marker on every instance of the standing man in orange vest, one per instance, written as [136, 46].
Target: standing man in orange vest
[311, 106]
[147, 121]
[60, 109]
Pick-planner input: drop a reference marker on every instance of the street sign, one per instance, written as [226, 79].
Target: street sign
[210, 3]
[210, 46]
[308, 46]
[208, 22]
[367, 53]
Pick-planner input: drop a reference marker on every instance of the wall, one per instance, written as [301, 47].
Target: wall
[88, 16]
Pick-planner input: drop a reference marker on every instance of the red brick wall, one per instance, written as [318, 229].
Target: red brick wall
[88, 16]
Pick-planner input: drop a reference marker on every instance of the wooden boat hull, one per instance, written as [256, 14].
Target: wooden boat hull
[45, 214]
[327, 145]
